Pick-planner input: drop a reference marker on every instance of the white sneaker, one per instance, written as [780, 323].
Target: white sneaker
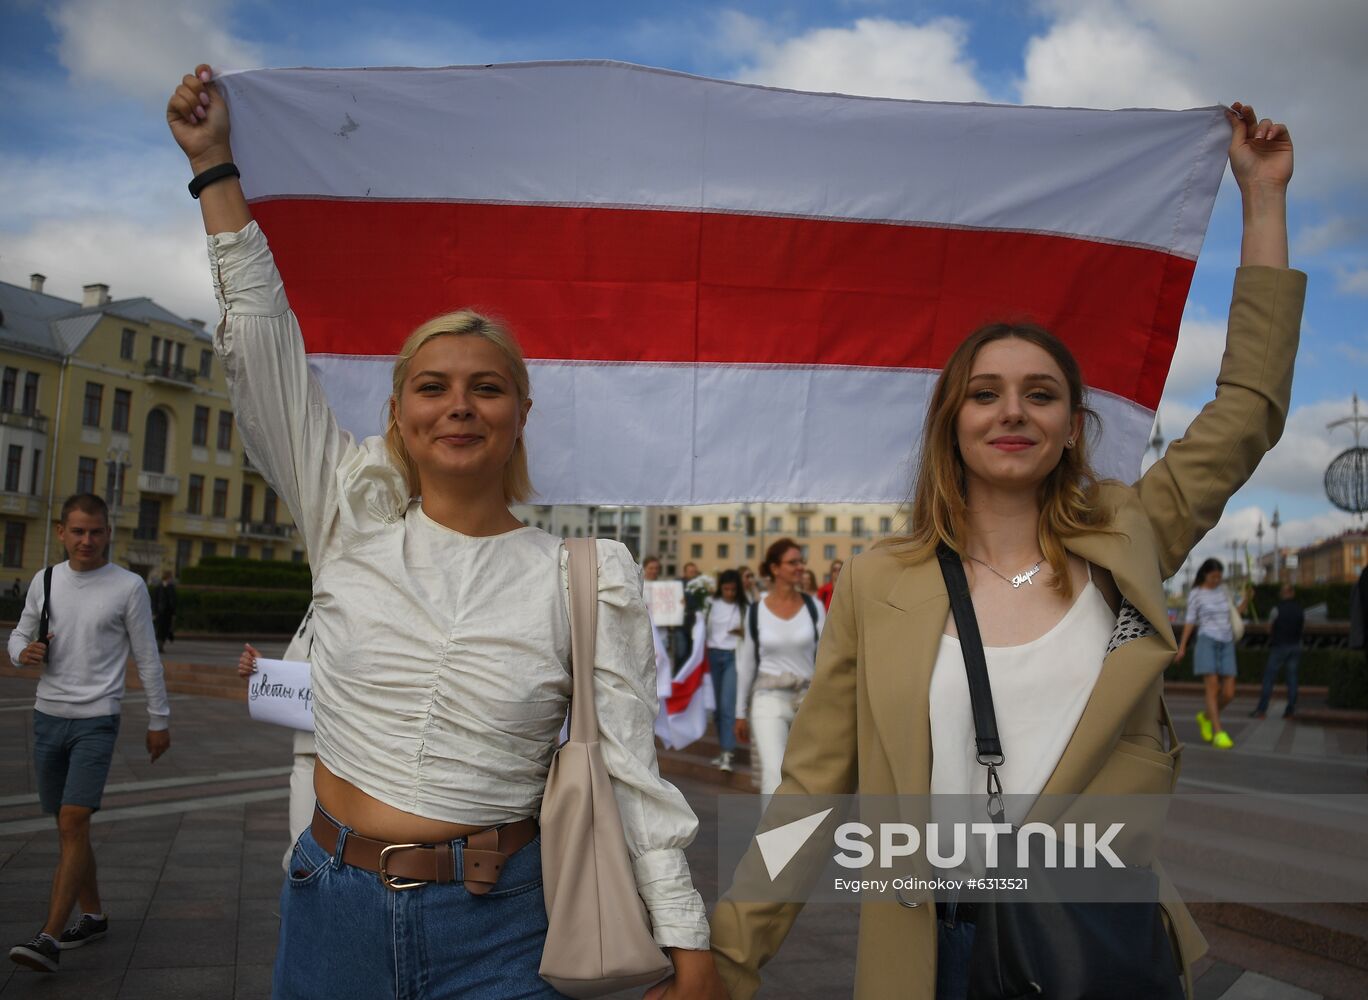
[724, 761]
[716, 761]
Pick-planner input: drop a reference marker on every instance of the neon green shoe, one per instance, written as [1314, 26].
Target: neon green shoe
[1204, 724]
[1222, 741]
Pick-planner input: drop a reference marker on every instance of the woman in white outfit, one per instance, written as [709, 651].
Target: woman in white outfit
[440, 660]
[774, 662]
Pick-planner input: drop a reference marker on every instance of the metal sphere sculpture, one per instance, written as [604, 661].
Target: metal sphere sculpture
[1346, 481]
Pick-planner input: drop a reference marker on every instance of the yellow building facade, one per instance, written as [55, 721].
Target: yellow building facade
[125, 400]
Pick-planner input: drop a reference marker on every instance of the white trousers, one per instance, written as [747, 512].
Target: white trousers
[771, 716]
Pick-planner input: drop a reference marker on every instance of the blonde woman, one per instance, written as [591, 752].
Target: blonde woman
[1076, 655]
[441, 648]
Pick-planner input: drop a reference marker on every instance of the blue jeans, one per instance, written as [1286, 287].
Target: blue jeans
[954, 947]
[1212, 656]
[722, 664]
[345, 936]
[1281, 657]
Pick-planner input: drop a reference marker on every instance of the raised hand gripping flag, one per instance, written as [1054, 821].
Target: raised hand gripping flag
[725, 292]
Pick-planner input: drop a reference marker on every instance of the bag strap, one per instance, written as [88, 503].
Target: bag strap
[43, 618]
[582, 556]
[811, 606]
[987, 745]
[753, 622]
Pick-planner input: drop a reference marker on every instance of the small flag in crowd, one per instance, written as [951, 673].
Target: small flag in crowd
[685, 260]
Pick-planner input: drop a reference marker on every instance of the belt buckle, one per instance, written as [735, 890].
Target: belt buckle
[391, 881]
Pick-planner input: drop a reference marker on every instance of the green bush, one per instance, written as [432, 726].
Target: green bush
[267, 612]
[1349, 679]
[11, 608]
[220, 571]
[1317, 668]
[1335, 596]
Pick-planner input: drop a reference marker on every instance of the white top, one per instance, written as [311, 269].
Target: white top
[440, 661]
[96, 618]
[787, 646]
[1039, 691]
[1209, 609]
[723, 619]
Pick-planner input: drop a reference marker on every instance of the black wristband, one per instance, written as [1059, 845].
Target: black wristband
[212, 175]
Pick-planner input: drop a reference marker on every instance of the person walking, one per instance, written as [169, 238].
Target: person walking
[750, 587]
[164, 610]
[441, 655]
[723, 633]
[80, 621]
[1286, 623]
[1209, 613]
[827, 589]
[774, 661]
[1065, 578]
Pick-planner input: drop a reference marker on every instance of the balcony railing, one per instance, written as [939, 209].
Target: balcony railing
[160, 371]
[25, 421]
[264, 529]
[155, 482]
[22, 504]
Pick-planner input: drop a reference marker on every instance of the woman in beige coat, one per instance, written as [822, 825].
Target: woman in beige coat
[1005, 481]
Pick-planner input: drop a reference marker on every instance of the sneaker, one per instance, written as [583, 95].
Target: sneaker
[717, 761]
[1204, 724]
[1222, 741]
[724, 761]
[42, 953]
[84, 931]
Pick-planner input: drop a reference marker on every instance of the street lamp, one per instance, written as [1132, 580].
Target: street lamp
[1277, 551]
[1259, 535]
[1157, 441]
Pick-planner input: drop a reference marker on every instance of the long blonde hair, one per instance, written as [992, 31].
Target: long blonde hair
[1068, 495]
[517, 483]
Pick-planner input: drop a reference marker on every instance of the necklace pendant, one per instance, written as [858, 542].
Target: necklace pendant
[1021, 578]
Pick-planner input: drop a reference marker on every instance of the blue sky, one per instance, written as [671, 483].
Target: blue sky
[92, 190]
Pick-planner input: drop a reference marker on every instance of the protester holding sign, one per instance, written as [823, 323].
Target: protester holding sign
[1065, 579]
[440, 662]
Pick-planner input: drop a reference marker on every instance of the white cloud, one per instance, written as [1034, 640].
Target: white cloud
[1328, 235]
[873, 57]
[1196, 361]
[141, 48]
[1352, 281]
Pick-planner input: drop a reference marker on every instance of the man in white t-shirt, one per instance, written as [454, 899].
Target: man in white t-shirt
[80, 622]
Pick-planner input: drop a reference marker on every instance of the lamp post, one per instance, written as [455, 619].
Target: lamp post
[118, 461]
[1276, 523]
[1157, 441]
[1259, 535]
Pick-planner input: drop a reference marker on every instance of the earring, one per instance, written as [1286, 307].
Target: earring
[1068, 443]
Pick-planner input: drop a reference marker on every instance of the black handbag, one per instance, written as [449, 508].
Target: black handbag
[1056, 949]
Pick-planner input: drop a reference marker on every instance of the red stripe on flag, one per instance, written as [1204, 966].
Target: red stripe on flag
[644, 285]
[683, 691]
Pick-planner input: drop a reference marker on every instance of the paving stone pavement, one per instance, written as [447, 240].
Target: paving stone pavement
[189, 853]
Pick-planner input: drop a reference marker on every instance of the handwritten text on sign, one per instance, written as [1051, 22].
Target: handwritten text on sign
[280, 693]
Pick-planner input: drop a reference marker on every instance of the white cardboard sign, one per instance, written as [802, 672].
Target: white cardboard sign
[665, 601]
[281, 693]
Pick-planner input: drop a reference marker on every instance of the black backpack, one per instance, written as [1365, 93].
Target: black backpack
[43, 616]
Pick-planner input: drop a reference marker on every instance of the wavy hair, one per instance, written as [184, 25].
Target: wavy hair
[517, 482]
[1068, 495]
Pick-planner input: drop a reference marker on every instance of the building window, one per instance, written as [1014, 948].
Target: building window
[36, 472]
[85, 475]
[225, 430]
[242, 551]
[803, 550]
[245, 512]
[750, 550]
[885, 525]
[856, 527]
[180, 357]
[802, 527]
[156, 346]
[220, 498]
[855, 550]
[724, 524]
[14, 462]
[7, 387]
[30, 393]
[14, 543]
[268, 513]
[828, 552]
[126, 344]
[672, 520]
[184, 553]
[206, 363]
[199, 429]
[723, 551]
[208, 550]
[123, 402]
[268, 553]
[695, 524]
[829, 524]
[149, 520]
[696, 551]
[94, 400]
[776, 524]
[155, 429]
[194, 503]
[297, 556]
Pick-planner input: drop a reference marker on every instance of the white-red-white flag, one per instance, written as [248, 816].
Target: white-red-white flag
[687, 699]
[726, 292]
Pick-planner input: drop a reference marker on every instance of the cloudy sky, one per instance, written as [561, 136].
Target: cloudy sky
[91, 188]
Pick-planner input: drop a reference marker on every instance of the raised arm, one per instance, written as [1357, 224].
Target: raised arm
[198, 118]
[1186, 491]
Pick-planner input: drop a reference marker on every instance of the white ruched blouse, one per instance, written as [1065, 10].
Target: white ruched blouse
[440, 660]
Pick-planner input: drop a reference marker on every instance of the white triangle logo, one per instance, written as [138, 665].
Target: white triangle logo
[778, 846]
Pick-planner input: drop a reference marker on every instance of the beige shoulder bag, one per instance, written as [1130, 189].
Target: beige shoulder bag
[599, 939]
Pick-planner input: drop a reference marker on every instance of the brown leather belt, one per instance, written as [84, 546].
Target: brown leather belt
[408, 866]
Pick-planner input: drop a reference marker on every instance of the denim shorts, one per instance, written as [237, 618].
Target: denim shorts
[345, 936]
[1212, 656]
[71, 758]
